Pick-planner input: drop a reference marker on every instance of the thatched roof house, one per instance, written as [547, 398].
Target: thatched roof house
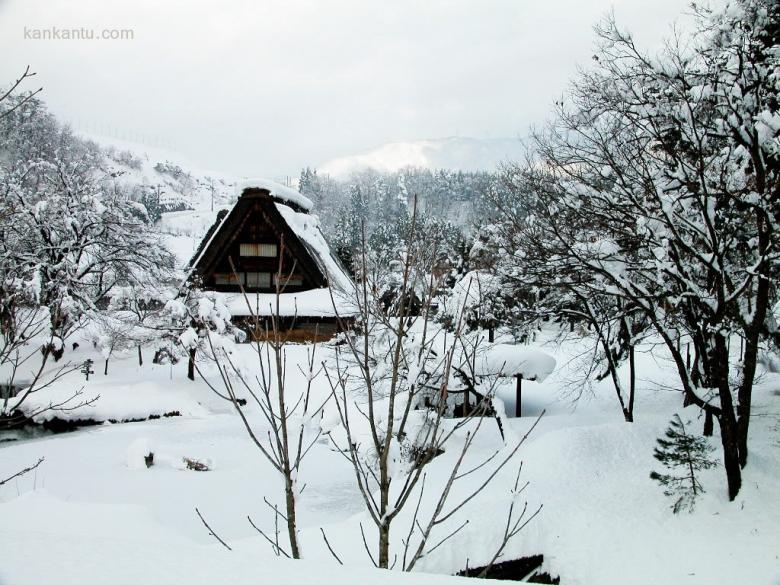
[269, 238]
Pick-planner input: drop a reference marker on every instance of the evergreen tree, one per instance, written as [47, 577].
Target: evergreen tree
[690, 454]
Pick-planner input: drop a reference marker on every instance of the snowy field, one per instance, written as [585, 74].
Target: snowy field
[102, 516]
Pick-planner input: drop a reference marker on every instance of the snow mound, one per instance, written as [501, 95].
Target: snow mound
[49, 540]
[135, 456]
[277, 190]
[107, 401]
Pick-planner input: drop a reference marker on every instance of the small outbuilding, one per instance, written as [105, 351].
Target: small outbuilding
[269, 242]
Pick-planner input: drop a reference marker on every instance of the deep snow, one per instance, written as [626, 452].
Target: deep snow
[93, 513]
[92, 510]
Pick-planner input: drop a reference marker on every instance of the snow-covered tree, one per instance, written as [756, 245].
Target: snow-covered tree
[71, 236]
[69, 226]
[674, 163]
[380, 201]
[136, 315]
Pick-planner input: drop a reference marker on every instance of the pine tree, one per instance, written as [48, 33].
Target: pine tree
[689, 453]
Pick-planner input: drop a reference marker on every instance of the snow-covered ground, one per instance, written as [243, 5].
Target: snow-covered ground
[102, 516]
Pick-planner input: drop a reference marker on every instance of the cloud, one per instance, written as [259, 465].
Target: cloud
[267, 87]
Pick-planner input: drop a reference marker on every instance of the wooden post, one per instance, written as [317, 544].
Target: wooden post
[518, 398]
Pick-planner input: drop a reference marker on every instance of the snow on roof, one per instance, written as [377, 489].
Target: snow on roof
[277, 190]
[504, 359]
[307, 228]
[206, 246]
[309, 303]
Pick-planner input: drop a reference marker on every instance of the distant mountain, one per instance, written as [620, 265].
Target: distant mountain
[457, 153]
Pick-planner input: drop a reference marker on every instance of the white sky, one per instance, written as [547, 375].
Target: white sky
[269, 86]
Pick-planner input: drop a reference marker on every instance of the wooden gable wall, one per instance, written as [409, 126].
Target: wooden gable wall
[255, 223]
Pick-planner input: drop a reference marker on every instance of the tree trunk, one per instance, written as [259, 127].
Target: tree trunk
[105, 368]
[383, 560]
[729, 439]
[611, 365]
[745, 392]
[384, 545]
[631, 384]
[140, 357]
[744, 398]
[191, 365]
[292, 530]
[719, 375]
[708, 424]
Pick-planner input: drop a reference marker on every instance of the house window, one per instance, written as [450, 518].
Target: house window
[289, 280]
[262, 250]
[258, 279]
[227, 278]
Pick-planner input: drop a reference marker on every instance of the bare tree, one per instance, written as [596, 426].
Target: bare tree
[27, 343]
[22, 472]
[286, 412]
[390, 384]
[27, 74]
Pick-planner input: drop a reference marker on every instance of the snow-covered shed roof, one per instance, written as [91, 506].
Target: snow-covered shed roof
[505, 359]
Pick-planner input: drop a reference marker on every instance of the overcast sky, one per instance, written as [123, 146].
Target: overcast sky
[268, 86]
